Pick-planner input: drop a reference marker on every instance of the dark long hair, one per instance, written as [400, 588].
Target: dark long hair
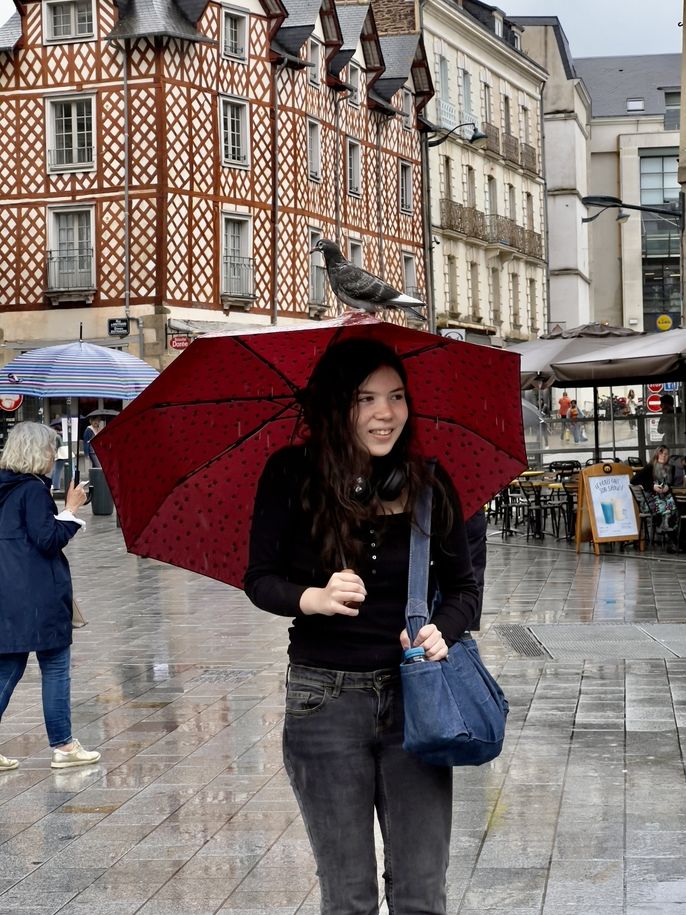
[336, 458]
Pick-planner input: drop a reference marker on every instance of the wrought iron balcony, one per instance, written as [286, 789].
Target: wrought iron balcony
[493, 135]
[238, 277]
[465, 220]
[70, 156]
[503, 231]
[529, 158]
[70, 268]
[511, 148]
[533, 243]
[317, 285]
[446, 112]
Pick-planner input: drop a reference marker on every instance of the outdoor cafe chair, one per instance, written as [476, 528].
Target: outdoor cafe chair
[539, 506]
[647, 517]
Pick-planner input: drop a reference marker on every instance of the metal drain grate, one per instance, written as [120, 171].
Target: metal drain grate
[599, 641]
[519, 638]
[225, 675]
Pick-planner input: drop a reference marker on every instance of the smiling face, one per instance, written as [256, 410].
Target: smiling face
[380, 411]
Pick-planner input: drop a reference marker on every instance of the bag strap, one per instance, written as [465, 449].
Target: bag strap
[417, 609]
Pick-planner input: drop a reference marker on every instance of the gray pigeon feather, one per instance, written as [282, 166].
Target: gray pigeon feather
[360, 289]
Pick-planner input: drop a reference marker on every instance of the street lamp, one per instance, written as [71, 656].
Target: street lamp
[608, 203]
[478, 139]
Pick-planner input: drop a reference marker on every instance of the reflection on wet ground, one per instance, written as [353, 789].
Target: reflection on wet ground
[179, 682]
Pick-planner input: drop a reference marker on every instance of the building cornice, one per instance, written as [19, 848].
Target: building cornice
[495, 48]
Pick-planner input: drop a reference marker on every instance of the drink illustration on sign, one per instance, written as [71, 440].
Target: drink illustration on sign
[613, 506]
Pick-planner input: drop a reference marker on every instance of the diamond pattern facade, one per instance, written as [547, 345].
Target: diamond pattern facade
[179, 189]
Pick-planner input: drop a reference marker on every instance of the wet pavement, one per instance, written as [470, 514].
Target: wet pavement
[179, 682]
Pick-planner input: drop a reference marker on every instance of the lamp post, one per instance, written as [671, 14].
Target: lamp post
[479, 140]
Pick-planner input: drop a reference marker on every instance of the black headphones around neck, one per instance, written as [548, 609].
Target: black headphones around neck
[386, 486]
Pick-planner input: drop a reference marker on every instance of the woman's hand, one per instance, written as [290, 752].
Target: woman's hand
[343, 594]
[76, 497]
[430, 639]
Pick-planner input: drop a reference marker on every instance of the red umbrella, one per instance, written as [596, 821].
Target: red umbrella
[183, 460]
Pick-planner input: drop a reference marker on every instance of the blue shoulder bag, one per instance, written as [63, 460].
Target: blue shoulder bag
[455, 711]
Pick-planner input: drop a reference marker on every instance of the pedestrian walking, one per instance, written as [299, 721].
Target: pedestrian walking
[330, 548]
[61, 456]
[35, 584]
[91, 431]
[563, 405]
[575, 417]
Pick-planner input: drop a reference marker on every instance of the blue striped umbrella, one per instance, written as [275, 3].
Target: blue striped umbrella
[76, 370]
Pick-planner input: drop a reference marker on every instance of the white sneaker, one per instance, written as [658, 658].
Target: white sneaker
[65, 759]
[7, 764]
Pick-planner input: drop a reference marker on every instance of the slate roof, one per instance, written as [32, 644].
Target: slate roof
[351, 19]
[612, 80]
[560, 38]
[300, 23]
[10, 32]
[398, 54]
[147, 18]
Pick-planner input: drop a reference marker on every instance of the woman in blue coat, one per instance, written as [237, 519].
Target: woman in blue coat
[35, 584]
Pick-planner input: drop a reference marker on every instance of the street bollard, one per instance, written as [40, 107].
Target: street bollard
[101, 503]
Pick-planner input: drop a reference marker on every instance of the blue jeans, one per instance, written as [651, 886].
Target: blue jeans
[343, 754]
[55, 683]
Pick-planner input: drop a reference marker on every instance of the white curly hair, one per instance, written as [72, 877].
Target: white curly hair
[29, 448]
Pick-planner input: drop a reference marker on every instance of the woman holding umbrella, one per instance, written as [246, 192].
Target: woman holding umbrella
[330, 548]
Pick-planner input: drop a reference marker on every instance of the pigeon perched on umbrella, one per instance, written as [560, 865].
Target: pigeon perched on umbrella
[362, 290]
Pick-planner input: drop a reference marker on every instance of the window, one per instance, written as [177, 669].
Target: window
[474, 289]
[70, 259]
[516, 40]
[70, 133]
[514, 300]
[491, 196]
[507, 116]
[410, 276]
[354, 80]
[69, 20]
[526, 125]
[511, 203]
[672, 109]
[407, 109]
[235, 35]
[448, 177]
[313, 150]
[451, 267]
[635, 104]
[405, 172]
[495, 296]
[470, 186]
[466, 90]
[498, 26]
[529, 211]
[443, 78]
[659, 184]
[313, 58]
[488, 105]
[237, 266]
[532, 300]
[355, 252]
[234, 131]
[354, 186]
[317, 270]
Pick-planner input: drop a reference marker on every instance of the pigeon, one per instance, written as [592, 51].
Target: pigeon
[362, 290]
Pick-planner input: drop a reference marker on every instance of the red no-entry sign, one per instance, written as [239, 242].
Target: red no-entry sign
[653, 403]
[655, 388]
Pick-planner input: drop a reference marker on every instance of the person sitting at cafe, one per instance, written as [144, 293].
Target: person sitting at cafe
[656, 479]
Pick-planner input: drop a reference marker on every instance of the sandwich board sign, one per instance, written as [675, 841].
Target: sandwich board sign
[606, 508]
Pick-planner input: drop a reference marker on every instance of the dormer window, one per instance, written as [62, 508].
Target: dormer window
[235, 35]
[407, 109]
[354, 81]
[498, 25]
[314, 53]
[68, 20]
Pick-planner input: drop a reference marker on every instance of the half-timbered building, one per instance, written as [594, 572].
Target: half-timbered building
[173, 161]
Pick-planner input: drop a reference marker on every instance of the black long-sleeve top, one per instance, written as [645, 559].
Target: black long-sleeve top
[284, 561]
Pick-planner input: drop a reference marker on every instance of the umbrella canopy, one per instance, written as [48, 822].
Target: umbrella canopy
[76, 370]
[646, 358]
[184, 459]
[105, 414]
[539, 356]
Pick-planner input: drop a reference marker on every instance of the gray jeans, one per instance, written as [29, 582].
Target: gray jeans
[344, 757]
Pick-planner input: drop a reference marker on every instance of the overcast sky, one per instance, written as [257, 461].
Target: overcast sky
[602, 28]
[595, 28]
